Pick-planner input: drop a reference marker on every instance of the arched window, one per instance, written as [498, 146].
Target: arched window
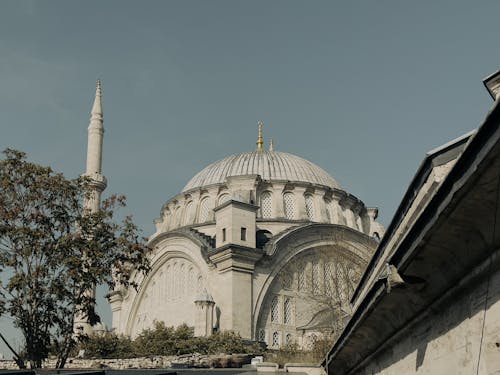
[301, 278]
[189, 216]
[266, 205]
[309, 207]
[289, 205]
[276, 339]
[289, 339]
[315, 283]
[287, 311]
[327, 210]
[222, 199]
[341, 282]
[262, 335]
[275, 310]
[329, 279]
[204, 211]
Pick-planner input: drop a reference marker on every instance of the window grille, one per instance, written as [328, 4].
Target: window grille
[289, 205]
[262, 335]
[276, 339]
[275, 310]
[329, 279]
[310, 207]
[266, 205]
[301, 278]
[312, 339]
[222, 199]
[341, 282]
[204, 211]
[287, 311]
[315, 283]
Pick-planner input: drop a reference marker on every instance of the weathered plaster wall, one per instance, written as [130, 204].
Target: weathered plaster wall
[460, 336]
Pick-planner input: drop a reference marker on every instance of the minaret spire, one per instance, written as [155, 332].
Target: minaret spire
[97, 107]
[95, 134]
[260, 140]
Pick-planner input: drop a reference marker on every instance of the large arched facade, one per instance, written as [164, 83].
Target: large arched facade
[311, 275]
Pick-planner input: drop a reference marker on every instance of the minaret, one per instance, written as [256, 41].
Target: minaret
[94, 152]
[97, 180]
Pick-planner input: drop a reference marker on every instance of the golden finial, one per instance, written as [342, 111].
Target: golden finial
[271, 145]
[260, 141]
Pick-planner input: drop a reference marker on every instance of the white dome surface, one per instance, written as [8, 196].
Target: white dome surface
[270, 165]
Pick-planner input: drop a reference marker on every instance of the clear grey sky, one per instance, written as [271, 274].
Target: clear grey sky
[361, 88]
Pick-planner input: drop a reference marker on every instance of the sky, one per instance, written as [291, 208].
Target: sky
[361, 88]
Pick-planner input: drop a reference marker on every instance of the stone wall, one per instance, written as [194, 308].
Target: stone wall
[183, 361]
[460, 335]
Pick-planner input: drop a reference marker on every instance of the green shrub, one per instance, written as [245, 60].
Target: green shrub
[107, 345]
[162, 340]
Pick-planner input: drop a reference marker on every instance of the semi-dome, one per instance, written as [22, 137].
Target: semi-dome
[270, 165]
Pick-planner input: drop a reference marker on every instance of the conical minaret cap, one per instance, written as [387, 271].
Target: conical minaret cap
[96, 114]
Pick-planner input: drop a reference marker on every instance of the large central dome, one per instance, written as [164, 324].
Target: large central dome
[270, 165]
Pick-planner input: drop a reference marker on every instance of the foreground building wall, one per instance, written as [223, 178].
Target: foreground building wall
[428, 302]
[459, 335]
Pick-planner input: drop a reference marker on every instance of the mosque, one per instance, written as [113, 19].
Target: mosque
[267, 244]
[263, 243]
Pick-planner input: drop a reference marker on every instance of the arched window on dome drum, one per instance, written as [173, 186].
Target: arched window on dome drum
[204, 211]
[266, 205]
[309, 207]
[328, 206]
[222, 199]
[289, 205]
[189, 216]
